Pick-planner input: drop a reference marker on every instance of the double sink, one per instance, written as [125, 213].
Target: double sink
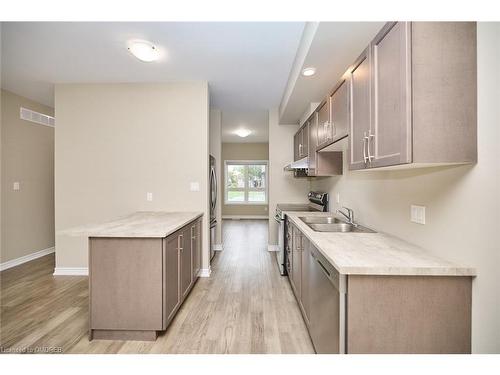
[333, 224]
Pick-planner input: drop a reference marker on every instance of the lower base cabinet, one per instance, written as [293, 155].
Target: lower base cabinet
[137, 285]
[409, 314]
[370, 314]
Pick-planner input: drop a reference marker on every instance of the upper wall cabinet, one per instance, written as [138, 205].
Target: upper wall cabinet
[413, 97]
[301, 143]
[324, 127]
[359, 82]
[339, 111]
[317, 164]
[333, 116]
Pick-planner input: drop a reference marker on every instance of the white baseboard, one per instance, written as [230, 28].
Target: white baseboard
[205, 272]
[273, 248]
[26, 258]
[245, 217]
[71, 271]
[218, 247]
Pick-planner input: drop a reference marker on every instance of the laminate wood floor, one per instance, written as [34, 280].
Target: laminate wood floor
[244, 307]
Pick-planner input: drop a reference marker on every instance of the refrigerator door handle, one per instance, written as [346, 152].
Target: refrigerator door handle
[213, 188]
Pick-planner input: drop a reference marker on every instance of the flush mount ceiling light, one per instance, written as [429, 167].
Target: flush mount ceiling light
[307, 72]
[243, 133]
[144, 51]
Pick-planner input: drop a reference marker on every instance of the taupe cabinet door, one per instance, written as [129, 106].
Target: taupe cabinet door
[324, 126]
[296, 146]
[305, 277]
[288, 250]
[301, 143]
[196, 248]
[389, 140]
[359, 82]
[305, 141]
[313, 143]
[171, 264]
[186, 261]
[297, 261]
[339, 111]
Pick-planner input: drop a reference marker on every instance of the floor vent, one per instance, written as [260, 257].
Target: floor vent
[37, 117]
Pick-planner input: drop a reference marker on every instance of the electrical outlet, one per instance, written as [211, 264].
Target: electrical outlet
[417, 214]
[194, 186]
[16, 186]
[149, 197]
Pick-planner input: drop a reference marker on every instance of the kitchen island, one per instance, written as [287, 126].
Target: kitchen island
[369, 292]
[141, 269]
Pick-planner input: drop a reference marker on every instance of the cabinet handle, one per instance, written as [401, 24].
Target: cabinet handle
[370, 136]
[329, 130]
[365, 138]
[180, 240]
[324, 268]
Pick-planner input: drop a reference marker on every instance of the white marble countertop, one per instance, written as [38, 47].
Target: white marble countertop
[145, 224]
[375, 253]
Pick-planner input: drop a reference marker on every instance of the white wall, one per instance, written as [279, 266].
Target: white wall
[116, 142]
[216, 152]
[463, 203]
[283, 187]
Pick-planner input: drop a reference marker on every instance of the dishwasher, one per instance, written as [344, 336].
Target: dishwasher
[327, 305]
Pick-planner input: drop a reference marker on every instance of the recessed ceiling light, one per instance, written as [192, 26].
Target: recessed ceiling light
[144, 51]
[310, 71]
[243, 133]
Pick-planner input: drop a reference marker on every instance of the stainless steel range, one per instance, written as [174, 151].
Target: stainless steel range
[318, 202]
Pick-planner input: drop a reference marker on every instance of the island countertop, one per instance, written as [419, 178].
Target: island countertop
[375, 253]
[143, 224]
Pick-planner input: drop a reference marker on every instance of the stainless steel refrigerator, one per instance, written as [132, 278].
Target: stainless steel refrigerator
[213, 205]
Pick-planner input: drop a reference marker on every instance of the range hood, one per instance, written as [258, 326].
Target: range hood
[299, 164]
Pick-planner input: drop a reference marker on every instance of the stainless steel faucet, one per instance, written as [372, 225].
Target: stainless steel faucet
[349, 215]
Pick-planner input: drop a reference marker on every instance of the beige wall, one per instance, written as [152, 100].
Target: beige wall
[1, 179]
[116, 142]
[463, 203]
[243, 151]
[27, 156]
[283, 188]
[216, 152]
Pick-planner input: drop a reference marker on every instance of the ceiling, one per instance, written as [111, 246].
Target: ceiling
[330, 47]
[256, 121]
[250, 66]
[246, 64]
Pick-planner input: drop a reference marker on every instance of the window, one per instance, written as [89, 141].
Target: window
[246, 182]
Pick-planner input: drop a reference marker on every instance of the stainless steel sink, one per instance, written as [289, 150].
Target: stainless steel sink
[333, 224]
[320, 220]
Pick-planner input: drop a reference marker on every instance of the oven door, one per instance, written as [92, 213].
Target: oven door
[280, 254]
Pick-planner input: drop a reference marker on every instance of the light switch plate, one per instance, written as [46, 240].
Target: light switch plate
[149, 197]
[16, 186]
[194, 186]
[417, 214]
[337, 198]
